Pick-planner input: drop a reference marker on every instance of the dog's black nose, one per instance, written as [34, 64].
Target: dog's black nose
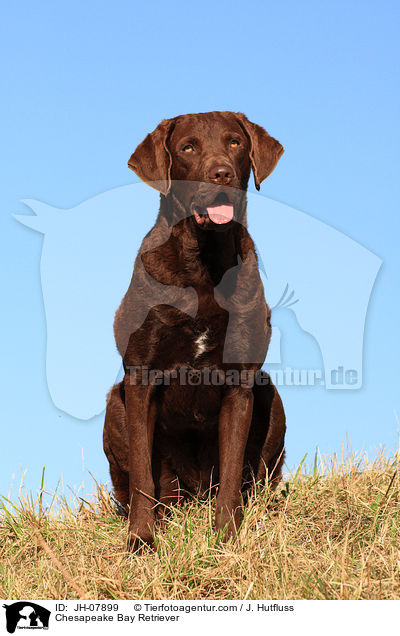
[221, 174]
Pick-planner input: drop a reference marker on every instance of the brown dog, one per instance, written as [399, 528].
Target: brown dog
[194, 410]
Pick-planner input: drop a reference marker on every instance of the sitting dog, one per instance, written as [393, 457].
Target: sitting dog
[194, 411]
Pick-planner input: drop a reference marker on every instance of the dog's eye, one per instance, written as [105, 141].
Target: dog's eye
[188, 148]
[234, 143]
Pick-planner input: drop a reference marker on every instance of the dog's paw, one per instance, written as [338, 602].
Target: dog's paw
[140, 535]
[227, 521]
[137, 542]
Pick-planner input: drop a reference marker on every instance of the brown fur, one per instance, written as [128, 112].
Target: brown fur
[195, 283]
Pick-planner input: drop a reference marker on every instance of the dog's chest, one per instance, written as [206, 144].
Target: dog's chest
[207, 341]
[201, 343]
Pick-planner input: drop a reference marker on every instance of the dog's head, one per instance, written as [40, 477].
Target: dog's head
[205, 160]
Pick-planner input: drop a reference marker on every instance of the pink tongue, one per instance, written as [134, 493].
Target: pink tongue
[221, 213]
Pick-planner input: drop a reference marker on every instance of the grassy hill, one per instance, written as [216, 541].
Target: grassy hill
[330, 533]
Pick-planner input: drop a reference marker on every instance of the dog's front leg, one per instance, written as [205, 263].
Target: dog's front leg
[141, 416]
[233, 429]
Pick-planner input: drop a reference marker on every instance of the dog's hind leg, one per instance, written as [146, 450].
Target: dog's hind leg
[265, 446]
[273, 450]
[115, 443]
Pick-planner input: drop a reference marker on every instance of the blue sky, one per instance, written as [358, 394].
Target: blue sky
[83, 84]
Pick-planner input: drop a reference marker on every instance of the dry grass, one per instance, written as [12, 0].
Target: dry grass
[332, 533]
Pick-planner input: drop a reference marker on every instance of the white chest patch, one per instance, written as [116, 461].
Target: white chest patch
[201, 344]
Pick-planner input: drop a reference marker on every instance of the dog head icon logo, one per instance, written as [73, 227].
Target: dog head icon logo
[26, 615]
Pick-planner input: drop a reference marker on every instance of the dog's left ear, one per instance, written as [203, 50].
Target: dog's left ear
[265, 151]
[152, 160]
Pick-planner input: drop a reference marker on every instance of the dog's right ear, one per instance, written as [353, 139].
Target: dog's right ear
[152, 160]
[265, 151]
